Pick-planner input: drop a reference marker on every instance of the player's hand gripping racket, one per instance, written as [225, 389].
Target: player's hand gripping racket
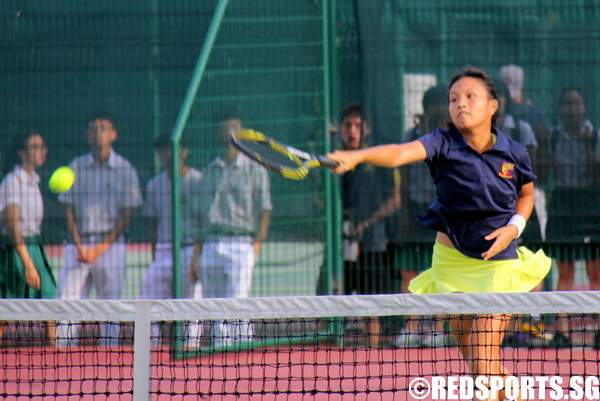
[290, 162]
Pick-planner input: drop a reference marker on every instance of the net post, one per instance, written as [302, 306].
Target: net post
[333, 267]
[141, 352]
[180, 124]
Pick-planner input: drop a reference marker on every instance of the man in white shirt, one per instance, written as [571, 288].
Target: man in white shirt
[235, 204]
[98, 210]
[158, 280]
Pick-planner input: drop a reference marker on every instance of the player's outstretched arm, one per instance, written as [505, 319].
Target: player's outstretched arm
[393, 155]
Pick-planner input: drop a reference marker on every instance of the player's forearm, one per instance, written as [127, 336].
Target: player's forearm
[393, 155]
[525, 201]
[382, 156]
[265, 221]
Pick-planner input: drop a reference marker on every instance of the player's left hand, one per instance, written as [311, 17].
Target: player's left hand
[502, 238]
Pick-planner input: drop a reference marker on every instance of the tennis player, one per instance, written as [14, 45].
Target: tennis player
[484, 196]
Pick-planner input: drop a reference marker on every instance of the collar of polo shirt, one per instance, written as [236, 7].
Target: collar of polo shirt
[239, 161]
[501, 144]
[22, 175]
[112, 159]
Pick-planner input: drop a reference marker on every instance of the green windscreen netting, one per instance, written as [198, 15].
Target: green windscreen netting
[546, 53]
[132, 62]
[64, 61]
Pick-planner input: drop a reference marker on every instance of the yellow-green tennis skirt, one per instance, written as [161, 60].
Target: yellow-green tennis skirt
[451, 271]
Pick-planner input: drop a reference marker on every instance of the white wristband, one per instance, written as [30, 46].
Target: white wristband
[518, 221]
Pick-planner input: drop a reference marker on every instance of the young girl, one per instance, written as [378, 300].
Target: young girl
[25, 269]
[484, 187]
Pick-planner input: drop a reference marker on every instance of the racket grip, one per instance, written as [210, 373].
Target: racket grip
[325, 162]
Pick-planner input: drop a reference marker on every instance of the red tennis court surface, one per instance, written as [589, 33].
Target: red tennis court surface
[285, 373]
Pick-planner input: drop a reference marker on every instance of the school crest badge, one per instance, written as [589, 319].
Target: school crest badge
[507, 170]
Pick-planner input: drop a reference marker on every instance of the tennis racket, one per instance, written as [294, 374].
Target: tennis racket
[290, 162]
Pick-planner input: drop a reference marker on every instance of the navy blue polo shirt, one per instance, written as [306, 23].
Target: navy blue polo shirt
[475, 193]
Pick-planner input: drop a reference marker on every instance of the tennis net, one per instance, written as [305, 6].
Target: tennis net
[289, 348]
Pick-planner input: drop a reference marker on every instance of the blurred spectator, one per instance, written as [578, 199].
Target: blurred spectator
[25, 269]
[574, 214]
[524, 332]
[98, 210]
[523, 109]
[369, 196]
[235, 205]
[520, 131]
[413, 254]
[158, 279]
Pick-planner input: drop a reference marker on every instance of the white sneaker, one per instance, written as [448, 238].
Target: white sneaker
[407, 340]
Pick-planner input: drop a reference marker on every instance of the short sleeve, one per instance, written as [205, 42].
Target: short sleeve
[10, 191]
[434, 143]
[526, 174]
[131, 196]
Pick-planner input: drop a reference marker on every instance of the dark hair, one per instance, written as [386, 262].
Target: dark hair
[433, 95]
[484, 77]
[352, 111]
[227, 113]
[100, 115]
[564, 91]
[17, 144]
[502, 91]
[164, 140]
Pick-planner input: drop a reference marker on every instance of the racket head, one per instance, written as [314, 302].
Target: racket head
[292, 163]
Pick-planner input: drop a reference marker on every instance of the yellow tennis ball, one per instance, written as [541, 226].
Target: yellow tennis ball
[61, 180]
